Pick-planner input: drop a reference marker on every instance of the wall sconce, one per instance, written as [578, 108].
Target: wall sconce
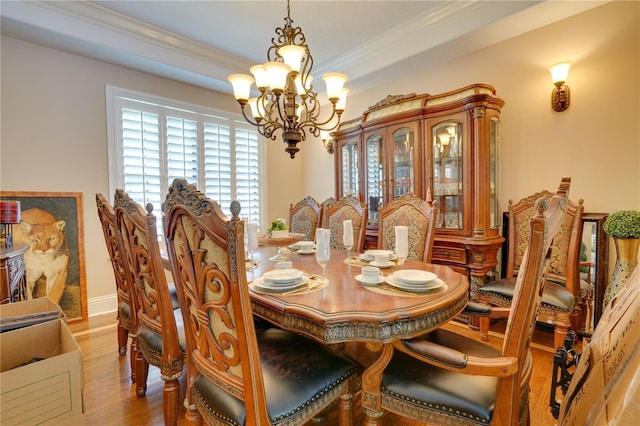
[327, 141]
[560, 96]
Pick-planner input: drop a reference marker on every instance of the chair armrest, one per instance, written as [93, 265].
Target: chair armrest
[482, 310]
[454, 360]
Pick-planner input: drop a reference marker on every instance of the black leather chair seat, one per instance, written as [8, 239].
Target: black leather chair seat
[454, 394]
[151, 343]
[297, 372]
[554, 296]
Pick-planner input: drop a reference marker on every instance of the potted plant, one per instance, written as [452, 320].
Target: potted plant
[624, 227]
[278, 229]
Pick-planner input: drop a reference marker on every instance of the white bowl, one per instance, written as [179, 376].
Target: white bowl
[305, 245]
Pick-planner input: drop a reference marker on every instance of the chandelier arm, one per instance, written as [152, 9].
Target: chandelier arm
[320, 125]
[250, 120]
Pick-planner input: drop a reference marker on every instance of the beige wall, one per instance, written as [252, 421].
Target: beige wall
[596, 141]
[54, 138]
[53, 135]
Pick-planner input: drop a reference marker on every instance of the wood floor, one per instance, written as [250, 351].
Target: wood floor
[109, 396]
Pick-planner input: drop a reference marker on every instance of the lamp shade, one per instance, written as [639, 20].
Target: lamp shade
[278, 73]
[559, 72]
[257, 111]
[261, 76]
[292, 56]
[342, 101]
[10, 211]
[241, 85]
[334, 81]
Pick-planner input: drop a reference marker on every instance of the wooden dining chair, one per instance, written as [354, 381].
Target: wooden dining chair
[445, 378]
[564, 293]
[346, 208]
[237, 375]
[324, 208]
[415, 213]
[304, 217]
[160, 332]
[126, 313]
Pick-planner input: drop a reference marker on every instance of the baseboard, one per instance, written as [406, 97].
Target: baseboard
[102, 305]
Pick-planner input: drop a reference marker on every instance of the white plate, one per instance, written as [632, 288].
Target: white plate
[382, 265]
[393, 281]
[367, 258]
[281, 276]
[360, 278]
[371, 254]
[262, 284]
[415, 276]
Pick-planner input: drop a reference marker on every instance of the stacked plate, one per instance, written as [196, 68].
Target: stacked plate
[281, 279]
[370, 255]
[414, 280]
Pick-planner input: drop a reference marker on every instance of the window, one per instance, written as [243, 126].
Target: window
[153, 140]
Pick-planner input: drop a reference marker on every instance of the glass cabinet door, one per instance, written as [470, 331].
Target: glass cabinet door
[375, 176]
[447, 174]
[403, 162]
[350, 169]
[494, 143]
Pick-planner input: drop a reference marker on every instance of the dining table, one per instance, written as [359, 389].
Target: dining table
[337, 308]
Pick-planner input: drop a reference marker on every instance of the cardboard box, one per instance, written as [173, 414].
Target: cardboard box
[29, 312]
[48, 391]
[604, 389]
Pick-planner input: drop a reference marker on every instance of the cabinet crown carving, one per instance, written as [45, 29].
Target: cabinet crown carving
[391, 99]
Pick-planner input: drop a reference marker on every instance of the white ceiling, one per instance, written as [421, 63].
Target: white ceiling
[202, 42]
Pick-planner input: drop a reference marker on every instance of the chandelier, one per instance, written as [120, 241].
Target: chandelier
[287, 102]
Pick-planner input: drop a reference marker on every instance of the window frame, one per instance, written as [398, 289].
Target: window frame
[116, 98]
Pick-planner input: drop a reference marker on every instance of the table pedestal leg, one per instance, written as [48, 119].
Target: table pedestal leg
[371, 381]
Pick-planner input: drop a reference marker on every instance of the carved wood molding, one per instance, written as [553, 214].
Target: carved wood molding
[391, 99]
[354, 331]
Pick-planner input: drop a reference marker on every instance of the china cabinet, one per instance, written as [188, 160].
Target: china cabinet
[439, 147]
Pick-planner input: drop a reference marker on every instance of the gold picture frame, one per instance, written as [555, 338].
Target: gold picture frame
[63, 264]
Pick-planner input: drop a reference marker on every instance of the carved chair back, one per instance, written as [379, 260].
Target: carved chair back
[126, 310]
[347, 208]
[207, 254]
[324, 209]
[415, 213]
[304, 217]
[158, 335]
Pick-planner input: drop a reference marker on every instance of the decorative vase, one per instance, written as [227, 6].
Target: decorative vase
[627, 259]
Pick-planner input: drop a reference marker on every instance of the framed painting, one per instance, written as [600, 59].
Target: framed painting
[52, 227]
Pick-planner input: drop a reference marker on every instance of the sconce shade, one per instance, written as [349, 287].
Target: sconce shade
[561, 96]
[559, 72]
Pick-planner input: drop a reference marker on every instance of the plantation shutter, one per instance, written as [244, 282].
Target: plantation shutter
[248, 174]
[155, 143]
[141, 156]
[217, 165]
